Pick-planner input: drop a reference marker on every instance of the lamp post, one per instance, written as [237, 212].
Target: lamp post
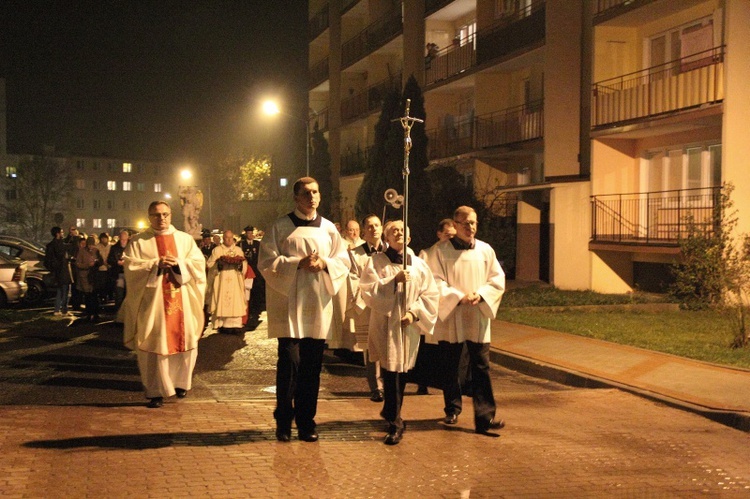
[271, 108]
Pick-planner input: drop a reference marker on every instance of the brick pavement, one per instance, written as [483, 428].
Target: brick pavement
[569, 443]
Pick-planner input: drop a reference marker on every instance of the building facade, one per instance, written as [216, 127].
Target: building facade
[601, 123]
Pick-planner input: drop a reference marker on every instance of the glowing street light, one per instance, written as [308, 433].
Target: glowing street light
[271, 108]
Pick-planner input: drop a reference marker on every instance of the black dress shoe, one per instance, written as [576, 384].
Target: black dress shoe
[308, 435]
[155, 402]
[180, 392]
[377, 396]
[492, 425]
[422, 390]
[283, 435]
[394, 435]
[451, 419]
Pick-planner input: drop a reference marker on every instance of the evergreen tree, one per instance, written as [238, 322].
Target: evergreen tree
[385, 162]
[320, 169]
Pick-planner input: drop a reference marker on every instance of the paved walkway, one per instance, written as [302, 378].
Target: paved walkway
[718, 392]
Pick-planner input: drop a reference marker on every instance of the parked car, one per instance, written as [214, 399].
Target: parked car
[12, 280]
[38, 279]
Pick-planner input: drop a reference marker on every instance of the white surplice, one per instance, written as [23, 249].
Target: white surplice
[458, 273]
[299, 303]
[396, 347]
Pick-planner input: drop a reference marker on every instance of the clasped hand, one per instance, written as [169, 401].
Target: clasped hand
[471, 299]
[167, 262]
[403, 276]
[312, 263]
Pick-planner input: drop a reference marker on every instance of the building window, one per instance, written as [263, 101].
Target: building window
[80, 223]
[127, 167]
[126, 186]
[80, 203]
[11, 195]
[126, 204]
[97, 224]
[80, 183]
[79, 164]
[140, 186]
[95, 185]
[139, 168]
[157, 187]
[96, 204]
[110, 223]
[110, 204]
[95, 165]
[110, 167]
[111, 185]
[11, 172]
[283, 182]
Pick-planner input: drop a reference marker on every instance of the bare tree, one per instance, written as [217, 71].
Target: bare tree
[37, 196]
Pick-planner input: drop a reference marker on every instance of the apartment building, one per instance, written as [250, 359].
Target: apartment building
[110, 193]
[598, 123]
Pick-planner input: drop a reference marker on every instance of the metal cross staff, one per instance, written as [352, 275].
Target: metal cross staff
[407, 122]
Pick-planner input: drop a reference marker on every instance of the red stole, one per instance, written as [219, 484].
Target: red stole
[172, 295]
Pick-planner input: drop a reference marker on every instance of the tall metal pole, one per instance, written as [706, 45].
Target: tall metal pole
[307, 147]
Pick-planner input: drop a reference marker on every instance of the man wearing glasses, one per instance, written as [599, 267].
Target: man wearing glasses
[162, 313]
[471, 284]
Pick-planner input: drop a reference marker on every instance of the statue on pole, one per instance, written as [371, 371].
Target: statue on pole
[191, 200]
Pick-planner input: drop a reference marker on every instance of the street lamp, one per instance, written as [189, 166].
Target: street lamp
[271, 108]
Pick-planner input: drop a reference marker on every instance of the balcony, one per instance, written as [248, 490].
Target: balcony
[517, 29]
[508, 126]
[319, 73]
[676, 85]
[605, 10]
[355, 162]
[652, 218]
[347, 4]
[370, 100]
[319, 119]
[318, 23]
[432, 6]
[372, 37]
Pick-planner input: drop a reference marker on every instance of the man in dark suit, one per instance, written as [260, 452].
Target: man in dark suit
[250, 245]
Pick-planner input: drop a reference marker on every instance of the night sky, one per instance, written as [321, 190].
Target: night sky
[176, 80]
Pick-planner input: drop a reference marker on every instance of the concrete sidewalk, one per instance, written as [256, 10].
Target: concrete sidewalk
[717, 392]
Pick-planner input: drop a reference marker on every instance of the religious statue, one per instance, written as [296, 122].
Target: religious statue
[191, 200]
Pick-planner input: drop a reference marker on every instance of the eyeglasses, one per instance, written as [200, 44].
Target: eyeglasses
[466, 224]
[160, 215]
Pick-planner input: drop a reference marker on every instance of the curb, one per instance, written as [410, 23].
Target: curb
[532, 367]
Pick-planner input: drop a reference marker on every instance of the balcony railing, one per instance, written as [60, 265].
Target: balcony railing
[355, 162]
[681, 84]
[318, 23]
[432, 6]
[347, 4]
[661, 217]
[369, 100]
[515, 30]
[319, 73]
[509, 126]
[319, 119]
[372, 37]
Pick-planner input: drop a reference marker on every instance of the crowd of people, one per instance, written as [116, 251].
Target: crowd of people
[422, 319]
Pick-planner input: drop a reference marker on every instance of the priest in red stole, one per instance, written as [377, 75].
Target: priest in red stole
[163, 310]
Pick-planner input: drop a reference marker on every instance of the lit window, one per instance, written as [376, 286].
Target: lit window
[80, 223]
[126, 186]
[157, 187]
[110, 223]
[111, 185]
[283, 182]
[80, 183]
[127, 167]
[97, 223]
[10, 172]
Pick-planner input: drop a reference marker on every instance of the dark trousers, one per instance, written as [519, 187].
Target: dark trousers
[91, 300]
[481, 384]
[298, 382]
[393, 396]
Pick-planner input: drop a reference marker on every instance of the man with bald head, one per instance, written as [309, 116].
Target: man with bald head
[226, 278]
